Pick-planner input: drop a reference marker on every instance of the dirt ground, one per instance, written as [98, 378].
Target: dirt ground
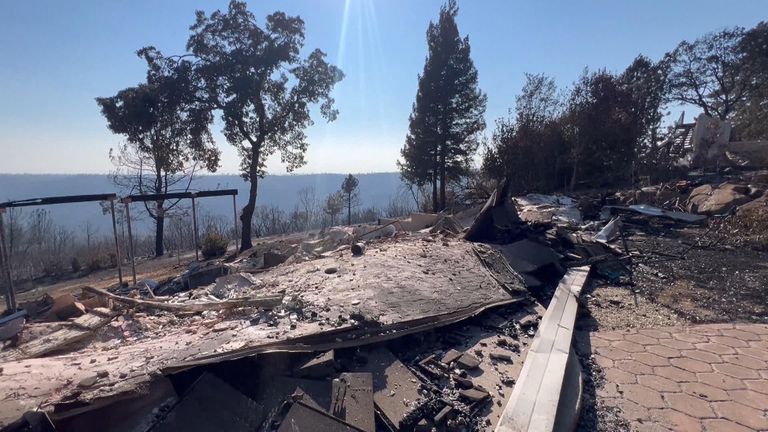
[157, 269]
[680, 274]
[710, 282]
[168, 266]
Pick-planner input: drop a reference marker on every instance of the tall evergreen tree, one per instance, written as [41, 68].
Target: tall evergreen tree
[349, 188]
[448, 113]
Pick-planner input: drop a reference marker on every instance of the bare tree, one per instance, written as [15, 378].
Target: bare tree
[710, 73]
[398, 205]
[334, 204]
[309, 206]
[167, 134]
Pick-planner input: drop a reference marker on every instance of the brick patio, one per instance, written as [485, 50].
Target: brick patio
[701, 378]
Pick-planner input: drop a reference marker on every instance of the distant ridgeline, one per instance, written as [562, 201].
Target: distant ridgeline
[282, 191]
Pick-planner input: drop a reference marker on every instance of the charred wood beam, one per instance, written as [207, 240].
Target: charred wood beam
[267, 302]
[68, 199]
[180, 195]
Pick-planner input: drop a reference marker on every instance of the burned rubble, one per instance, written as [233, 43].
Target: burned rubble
[405, 325]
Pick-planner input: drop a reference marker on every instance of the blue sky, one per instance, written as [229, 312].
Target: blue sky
[56, 57]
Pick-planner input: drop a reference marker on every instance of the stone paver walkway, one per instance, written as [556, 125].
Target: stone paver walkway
[701, 378]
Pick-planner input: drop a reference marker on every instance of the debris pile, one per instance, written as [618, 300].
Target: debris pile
[420, 324]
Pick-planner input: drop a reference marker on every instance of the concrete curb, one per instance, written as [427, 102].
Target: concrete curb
[547, 396]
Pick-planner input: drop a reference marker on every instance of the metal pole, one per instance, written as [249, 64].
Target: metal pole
[10, 294]
[194, 225]
[179, 221]
[130, 239]
[234, 213]
[117, 243]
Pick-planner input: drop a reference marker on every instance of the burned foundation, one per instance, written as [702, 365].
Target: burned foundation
[402, 326]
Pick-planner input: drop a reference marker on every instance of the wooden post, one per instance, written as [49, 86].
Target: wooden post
[234, 213]
[117, 243]
[194, 225]
[130, 239]
[10, 294]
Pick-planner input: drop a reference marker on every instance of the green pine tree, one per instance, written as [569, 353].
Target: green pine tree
[448, 113]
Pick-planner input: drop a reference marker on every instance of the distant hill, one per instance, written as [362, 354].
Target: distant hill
[278, 190]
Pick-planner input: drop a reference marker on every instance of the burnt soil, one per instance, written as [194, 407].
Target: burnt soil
[695, 273]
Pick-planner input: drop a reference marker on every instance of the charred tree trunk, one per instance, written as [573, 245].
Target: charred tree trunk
[159, 234]
[159, 210]
[435, 170]
[434, 192]
[349, 208]
[246, 216]
[442, 177]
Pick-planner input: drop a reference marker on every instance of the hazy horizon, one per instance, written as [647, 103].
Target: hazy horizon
[281, 191]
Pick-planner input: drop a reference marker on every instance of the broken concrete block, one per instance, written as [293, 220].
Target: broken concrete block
[474, 394]
[529, 320]
[462, 382]
[320, 366]
[500, 356]
[451, 356]
[352, 400]
[468, 361]
[88, 381]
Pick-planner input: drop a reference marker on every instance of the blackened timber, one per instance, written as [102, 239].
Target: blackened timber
[215, 193]
[180, 195]
[68, 199]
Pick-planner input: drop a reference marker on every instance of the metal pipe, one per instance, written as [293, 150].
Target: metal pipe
[130, 239]
[10, 295]
[194, 225]
[234, 213]
[179, 221]
[117, 243]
